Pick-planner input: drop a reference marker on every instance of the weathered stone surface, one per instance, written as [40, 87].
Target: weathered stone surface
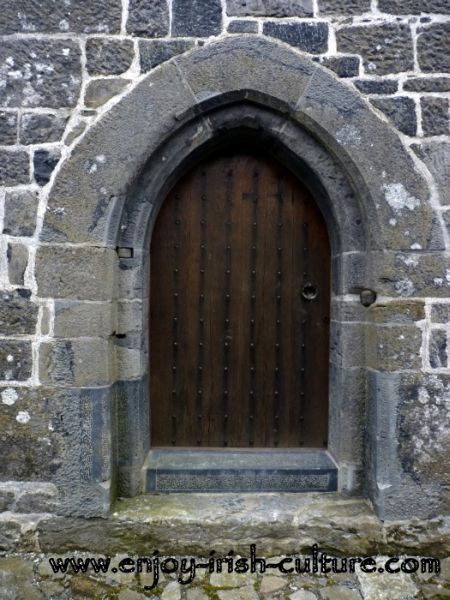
[436, 156]
[36, 497]
[78, 319]
[270, 8]
[75, 132]
[405, 312]
[435, 116]
[18, 315]
[17, 257]
[338, 592]
[394, 348]
[343, 66]
[440, 313]
[20, 212]
[196, 18]
[231, 580]
[44, 163]
[40, 128]
[52, 16]
[427, 84]
[438, 349]
[238, 26]
[383, 586]
[154, 52]
[309, 37]
[106, 56]
[401, 111]
[15, 360]
[148, 19]
[244, 593]
[432, 48]
[8, 128]
[14, 167]
[374, 86]
[66, 280]
[407, 7]
[99, 91]
[345, 7]
[271, 584]
[384, 48]
[423, 427]
[40, 73]
[302, 595]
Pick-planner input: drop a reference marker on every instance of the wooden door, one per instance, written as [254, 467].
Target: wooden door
[239, 309]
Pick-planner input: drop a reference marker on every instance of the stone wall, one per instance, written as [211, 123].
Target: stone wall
[63, 66]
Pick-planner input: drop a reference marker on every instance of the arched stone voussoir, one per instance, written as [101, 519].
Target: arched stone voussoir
[93, 184]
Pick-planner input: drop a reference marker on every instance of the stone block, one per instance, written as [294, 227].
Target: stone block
[427, 84]
[309, 37]
[375, 86]
[53, 16]
[44, 163]
[438, 349]
[106, 56]
[18, 315]
[432, 48]
[415, 7]
[440, 313]
[384, 48]
[148, 18]
[200, 18]
[36, 497]
[41, 128]
[270, 8]
[15, 360]
[17, 257]
[154, 52]
[393, 348]
[435, 116]
[20, 212]
[14, 167]
[40, 72]
[99, 91]
[343, 7]
[79, 319]
[347, 346]
[59, 275]
[8, 128]
[78, 362]
[343, 66]
[401, 111]
[398, 312]
[436, 156]
[238, 26]
[7, 498]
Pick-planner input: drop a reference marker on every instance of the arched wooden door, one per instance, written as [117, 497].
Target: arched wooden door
[239, 309]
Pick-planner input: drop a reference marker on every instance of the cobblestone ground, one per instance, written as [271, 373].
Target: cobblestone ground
[30, 577]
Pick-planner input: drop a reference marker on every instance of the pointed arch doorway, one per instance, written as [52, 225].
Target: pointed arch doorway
[239, 315]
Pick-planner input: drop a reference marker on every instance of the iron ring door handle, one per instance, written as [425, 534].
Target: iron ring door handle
[309, 291]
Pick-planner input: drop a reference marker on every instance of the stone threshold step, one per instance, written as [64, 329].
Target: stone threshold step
[239, 470]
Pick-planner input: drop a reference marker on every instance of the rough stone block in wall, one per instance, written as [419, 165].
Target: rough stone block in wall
[447, 223]
[438, 348]
[394, 348]
[56, 16]
[15, 360]
[435, 116]
[39, 73]
[270, 8]
[8, 128]
[38, 128]
[100, 91]
[309, 37]
[20, 212]
[433, 48]
[17, 257]
[401, 111]
[148, 18]
[343, 66]
[44, 162]
[238, 26]
[343, 7]
[384, 48]
[427, 84]
[18, 315]
[374, 86]
[200, 18]
[440, 313]
[105, 56]
[154, 52]
[436, 156]
[14, 167]
[415, 7]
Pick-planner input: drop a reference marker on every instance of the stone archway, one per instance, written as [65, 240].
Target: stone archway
[99, 218]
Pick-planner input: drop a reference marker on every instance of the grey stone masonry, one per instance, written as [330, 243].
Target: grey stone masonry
[153, 52]
[401, 111]
[427, 84]
[309, 37]
[433, 48]
[435, 116]
[18, 315]
[17, 257]
[195, 17]
[14, 167]
[343, 7]
[8, 128]
[417, 7]
[238, 26]
[148, 18]
[20, 212]
[106, 56]
[41, 128]
[270, 8]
